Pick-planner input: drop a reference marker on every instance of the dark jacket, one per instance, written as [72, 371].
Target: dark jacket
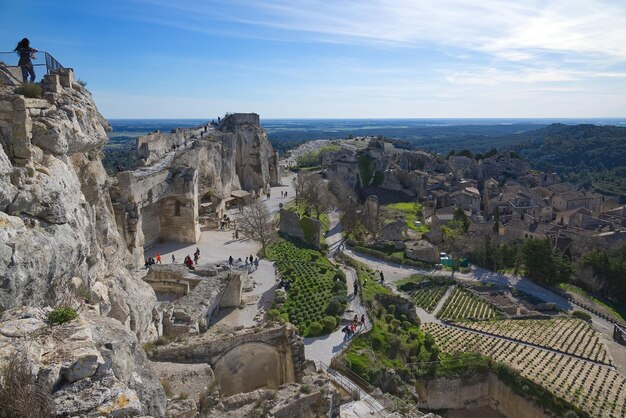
[24, 53]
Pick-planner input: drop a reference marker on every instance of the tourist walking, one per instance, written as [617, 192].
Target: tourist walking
[173, 259]
[195, 258]
[230, 260]
[26, 53]
[356, 287]
[382, 277]
[256, 263]
[363, 320]
[158, 258]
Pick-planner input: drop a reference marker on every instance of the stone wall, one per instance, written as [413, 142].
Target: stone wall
[232, 121]
[476, 391]
[157, 203]
[370, 216]
[245, 361]
[191, 297]
[307, 229]
[154, 146]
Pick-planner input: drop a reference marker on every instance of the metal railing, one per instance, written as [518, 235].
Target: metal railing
[42, 59]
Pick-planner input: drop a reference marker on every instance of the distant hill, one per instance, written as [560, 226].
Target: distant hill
[591, 155]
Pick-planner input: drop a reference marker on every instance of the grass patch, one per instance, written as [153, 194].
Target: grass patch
[62, 315]
[412, 212]
[609, 308]
[30, 90]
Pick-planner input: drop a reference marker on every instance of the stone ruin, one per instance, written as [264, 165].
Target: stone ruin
[189, 177]
[304, 228]
[189, 298]
[370, 215]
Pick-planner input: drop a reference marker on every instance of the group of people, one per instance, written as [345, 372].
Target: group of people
[188, 261]
[150, 261]
[351, 328]
[283, 194]
[249, 261]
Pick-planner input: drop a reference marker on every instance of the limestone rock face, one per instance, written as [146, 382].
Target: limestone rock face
[92, 365]
[56, 216]
[238, 156]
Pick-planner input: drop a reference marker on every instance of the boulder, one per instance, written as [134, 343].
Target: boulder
[92, 365]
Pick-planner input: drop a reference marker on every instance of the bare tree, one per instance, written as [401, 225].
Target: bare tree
[317, 195]
[300, 184]
[345, 195]
[256, 223]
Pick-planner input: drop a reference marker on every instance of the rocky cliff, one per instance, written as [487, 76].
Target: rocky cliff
[59, 245]
[56, 219]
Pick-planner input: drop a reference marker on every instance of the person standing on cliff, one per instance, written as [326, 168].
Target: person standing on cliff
[26, 53]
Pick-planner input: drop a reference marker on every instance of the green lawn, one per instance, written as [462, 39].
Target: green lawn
[410, 211]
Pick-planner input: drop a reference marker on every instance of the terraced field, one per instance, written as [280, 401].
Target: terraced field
[572, 336]
[462, 305]
[428, 297]
[596, 389]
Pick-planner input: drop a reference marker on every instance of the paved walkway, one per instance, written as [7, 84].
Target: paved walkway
[324, 348]
[216, 246]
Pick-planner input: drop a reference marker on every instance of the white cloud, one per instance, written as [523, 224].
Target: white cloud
[511, 30]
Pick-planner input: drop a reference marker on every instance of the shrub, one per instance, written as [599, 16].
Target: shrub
[62, 315]
[273, 314]
[336, 305]
[21, 396]
[314, 329]
[305, 389]
[30, 90]
[582, 315]
[329, 323]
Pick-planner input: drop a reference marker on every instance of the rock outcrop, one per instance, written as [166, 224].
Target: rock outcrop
[92, 365]
[185, 168]
[56, 219]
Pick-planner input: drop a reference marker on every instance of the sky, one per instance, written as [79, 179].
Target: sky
[336, 58]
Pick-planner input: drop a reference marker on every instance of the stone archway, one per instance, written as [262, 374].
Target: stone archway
[251, 366]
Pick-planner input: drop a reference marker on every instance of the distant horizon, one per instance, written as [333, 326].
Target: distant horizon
[390, 118]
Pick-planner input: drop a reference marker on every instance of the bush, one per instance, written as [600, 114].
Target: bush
[582, 315]
[21, 396]
[336, 305]
[314, 329]
[62, 315]
[329, 323]
[31, 90]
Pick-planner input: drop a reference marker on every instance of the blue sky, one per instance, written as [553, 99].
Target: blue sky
[335, 59]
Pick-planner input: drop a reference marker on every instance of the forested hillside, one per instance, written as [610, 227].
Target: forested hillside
[590, 155]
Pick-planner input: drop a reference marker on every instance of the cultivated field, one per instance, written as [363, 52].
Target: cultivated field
[596, 389]
[463, 304]
[572, 336]
[428, 297]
